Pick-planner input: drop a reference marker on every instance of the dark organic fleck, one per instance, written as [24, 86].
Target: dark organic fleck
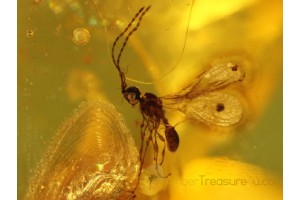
[220, 107]
[234, 68]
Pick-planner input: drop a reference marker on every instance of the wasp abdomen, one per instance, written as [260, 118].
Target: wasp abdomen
[172, 138]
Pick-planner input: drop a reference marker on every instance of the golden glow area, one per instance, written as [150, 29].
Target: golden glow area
[207, 12]
[222, 178]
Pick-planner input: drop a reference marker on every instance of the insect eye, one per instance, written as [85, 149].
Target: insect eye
[131, 96]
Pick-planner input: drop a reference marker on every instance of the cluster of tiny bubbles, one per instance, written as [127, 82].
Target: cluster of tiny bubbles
[92, 156]
[59, 7]
[152, 180]
[81, 36]
[36, 2]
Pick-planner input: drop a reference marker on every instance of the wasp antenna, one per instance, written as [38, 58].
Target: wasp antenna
[139, 15]
[121, 34]
[131, 32]
[180, 56]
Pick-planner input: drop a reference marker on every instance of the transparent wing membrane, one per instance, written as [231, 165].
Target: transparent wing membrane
[205, 99]
[214, 109]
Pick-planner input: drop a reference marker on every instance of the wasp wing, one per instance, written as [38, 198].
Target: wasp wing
[213, 109]
[218, 76]
[203, 100]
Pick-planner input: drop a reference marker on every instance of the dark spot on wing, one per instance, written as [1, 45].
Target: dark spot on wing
[234, 68]
[220, 107]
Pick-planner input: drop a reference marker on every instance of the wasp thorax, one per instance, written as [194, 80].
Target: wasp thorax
[132, 95]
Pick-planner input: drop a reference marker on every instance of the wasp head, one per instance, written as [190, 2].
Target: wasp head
[132, 95]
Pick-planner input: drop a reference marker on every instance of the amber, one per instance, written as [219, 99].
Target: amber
[175, 43]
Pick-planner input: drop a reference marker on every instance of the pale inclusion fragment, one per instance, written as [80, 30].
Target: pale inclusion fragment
[152, 180]
[93, 156]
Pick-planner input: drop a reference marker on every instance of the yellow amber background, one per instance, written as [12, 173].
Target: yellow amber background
[55, 75]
